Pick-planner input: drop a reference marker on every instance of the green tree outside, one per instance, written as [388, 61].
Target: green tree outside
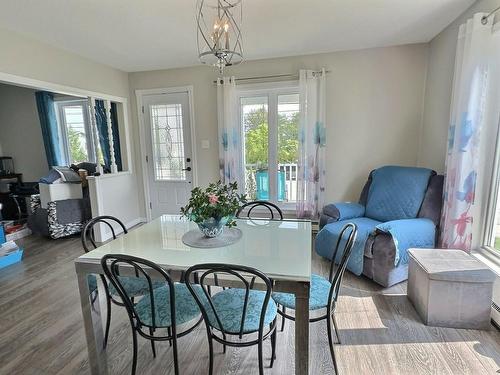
[77, 152]
[257, 143]
[257, 133]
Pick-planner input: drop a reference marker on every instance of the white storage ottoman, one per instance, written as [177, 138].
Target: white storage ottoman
[449, 288]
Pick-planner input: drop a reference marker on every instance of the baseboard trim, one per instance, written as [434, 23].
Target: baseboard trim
[135, 222]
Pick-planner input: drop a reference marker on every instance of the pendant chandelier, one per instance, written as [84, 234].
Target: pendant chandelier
[219, 32]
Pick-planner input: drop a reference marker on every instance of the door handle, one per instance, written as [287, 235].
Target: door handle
[187, 169]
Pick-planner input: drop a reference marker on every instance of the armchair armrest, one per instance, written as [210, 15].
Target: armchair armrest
[409, 233]
[344, 211]
[340, 211]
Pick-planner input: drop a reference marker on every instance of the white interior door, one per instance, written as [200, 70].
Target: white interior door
[169, 158]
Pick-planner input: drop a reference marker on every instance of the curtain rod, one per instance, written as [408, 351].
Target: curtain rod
[484, 19]
[296, 76]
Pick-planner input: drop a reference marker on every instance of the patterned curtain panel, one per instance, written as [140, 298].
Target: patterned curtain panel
[50, 128]
[312, 142]
[230, 154]
[469, 110]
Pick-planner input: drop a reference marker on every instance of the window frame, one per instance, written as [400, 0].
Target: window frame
[488, 240]
[271, 90]
[63, 127]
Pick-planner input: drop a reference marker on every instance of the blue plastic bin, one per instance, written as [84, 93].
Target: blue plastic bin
[12, 258]
[262, 185]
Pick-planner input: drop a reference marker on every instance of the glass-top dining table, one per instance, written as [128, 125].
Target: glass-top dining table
[280, 249]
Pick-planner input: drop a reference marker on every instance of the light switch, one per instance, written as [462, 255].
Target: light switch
[205, 143]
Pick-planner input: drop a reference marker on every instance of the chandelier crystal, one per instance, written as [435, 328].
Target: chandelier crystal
[219, 32]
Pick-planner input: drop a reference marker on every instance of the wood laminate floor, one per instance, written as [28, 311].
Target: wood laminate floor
[41, 330]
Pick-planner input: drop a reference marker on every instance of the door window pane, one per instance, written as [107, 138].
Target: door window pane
[288, 143]
[254, 118]
[168, 142]
[76, 132]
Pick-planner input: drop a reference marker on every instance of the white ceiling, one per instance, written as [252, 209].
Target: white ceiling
[135, 35]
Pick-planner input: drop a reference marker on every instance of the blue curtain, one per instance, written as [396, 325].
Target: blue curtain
[102, 129]
[50, 129]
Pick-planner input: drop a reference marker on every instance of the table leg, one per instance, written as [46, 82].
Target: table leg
[302, 329]
[92, 322]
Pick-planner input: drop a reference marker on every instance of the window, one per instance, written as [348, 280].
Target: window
[492, 223]
[493, 233]
[168, 142]
[76, 132]
[270, 122]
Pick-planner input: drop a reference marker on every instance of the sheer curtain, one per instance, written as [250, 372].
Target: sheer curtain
[473, 120]
[312, 142]
[230, 146]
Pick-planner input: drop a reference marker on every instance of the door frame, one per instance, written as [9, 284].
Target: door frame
[140, 94]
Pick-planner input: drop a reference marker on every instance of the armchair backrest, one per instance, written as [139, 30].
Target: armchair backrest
[393, 193]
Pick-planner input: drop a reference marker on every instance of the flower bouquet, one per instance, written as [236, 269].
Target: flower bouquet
[214, 207]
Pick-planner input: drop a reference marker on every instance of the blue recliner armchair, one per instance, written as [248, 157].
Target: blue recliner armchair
[399, 208]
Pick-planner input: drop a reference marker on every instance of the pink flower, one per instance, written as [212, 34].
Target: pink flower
[213, 199]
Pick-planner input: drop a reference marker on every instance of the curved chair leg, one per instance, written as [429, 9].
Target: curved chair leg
[330, 342]
[336, 330]
[274, 336]
[283, 319]
[261, 362]
[176, 359]
[134, 354]
[151, 332]
[108, 319]
[210, 354]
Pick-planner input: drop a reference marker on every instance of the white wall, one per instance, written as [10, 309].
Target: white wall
[26, 57]
[438, 88]
[20, 132]
[374, 111]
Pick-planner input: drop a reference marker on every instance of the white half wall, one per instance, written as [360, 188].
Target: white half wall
[112, 195]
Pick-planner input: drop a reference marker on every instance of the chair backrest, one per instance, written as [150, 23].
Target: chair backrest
[274, 211]
[88, 230]
[138, 267]
[244, 276]
[346, 240]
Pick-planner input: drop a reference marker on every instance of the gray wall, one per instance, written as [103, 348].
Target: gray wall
[20, 133]
[374, 111]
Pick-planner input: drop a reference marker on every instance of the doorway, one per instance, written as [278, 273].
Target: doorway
[169, 150]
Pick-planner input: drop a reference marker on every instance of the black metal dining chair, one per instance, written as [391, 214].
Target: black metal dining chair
[235, 312]
[134, 286]
[324, 292]
[161, 308]
[275, 212]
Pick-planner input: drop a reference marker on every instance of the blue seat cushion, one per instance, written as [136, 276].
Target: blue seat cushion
[229, 307]
[135, 286]
[318, 295]
[186, 308]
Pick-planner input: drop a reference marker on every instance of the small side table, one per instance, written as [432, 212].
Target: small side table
[449, 288]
